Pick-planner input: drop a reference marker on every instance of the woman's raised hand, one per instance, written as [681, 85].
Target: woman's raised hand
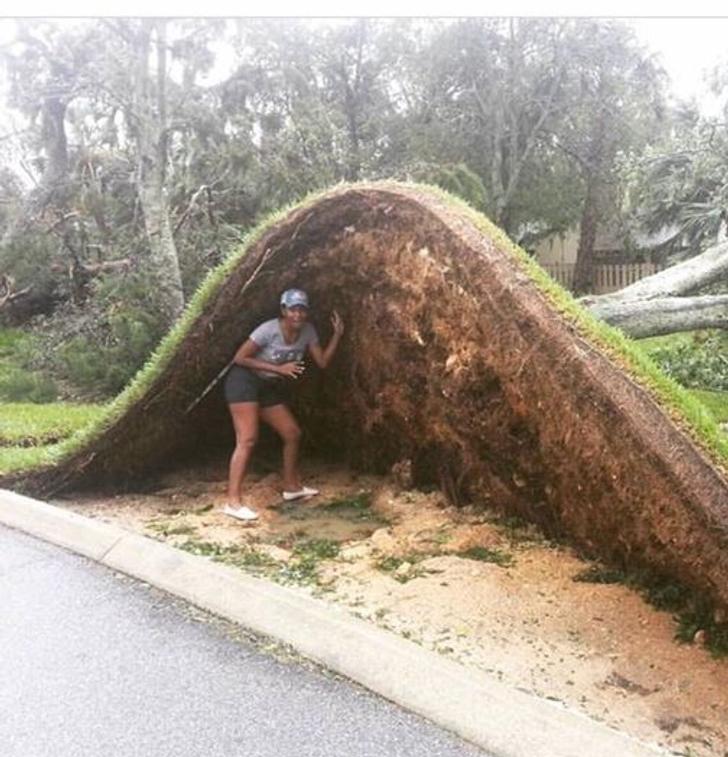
[337, 322]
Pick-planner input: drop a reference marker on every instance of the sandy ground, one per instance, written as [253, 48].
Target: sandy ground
[600, 649]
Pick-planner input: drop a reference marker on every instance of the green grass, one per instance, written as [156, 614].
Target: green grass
[391, 563]
[239, 556]
[716, 402]
[679, 339]
[24, 458]
[598, 574]
[33, 435]
[169, 528]
[31, 425]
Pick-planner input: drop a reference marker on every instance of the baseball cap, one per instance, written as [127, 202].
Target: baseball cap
[292, 298]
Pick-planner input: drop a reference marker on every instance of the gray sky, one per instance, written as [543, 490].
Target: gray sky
[686, 46]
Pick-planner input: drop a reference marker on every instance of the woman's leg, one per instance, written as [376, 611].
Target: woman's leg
[285, 425]
[245, 421]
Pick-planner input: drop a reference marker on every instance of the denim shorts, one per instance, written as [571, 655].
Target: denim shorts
[242, 385]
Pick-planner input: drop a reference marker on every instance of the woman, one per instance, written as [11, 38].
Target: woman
[257, 388]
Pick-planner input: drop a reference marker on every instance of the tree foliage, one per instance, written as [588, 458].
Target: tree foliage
[153, 144]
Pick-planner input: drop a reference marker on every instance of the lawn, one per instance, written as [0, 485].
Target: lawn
[24, 424]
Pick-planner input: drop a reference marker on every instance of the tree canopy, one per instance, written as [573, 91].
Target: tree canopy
[144, 147]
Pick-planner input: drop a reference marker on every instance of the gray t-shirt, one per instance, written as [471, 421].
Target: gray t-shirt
[273, 347]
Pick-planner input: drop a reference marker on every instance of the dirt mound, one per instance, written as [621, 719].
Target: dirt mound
[456, 368]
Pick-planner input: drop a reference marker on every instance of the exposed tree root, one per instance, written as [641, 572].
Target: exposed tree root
[455, 364]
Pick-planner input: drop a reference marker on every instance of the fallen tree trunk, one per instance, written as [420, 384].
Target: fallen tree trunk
[658, 304]
[684, 278]
[665, 315]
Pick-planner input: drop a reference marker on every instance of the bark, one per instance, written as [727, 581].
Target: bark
[353, 105]
[584, 270]
[150, 131]
[659, 304]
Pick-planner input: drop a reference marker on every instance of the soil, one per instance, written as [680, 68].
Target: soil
[516, 613]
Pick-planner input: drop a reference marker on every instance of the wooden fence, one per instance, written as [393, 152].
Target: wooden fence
[607, 277]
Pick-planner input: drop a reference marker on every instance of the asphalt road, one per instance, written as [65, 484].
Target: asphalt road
[95, 663]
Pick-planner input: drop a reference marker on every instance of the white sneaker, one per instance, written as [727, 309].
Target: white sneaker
[307, 491]
[241, 513]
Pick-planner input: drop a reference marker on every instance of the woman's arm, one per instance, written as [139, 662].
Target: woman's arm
[322, 357]
[245, 356]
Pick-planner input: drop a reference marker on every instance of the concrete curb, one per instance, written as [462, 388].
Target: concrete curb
[504, 721]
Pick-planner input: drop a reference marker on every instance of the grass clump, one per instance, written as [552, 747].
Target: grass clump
[167, 528]
[318, 549]
[598, 574]
[307, 557]
[690, 622]
[302, 568]
[207, 549]
[485, 554]
[392, 564]
[358, 506]
[231, 554]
